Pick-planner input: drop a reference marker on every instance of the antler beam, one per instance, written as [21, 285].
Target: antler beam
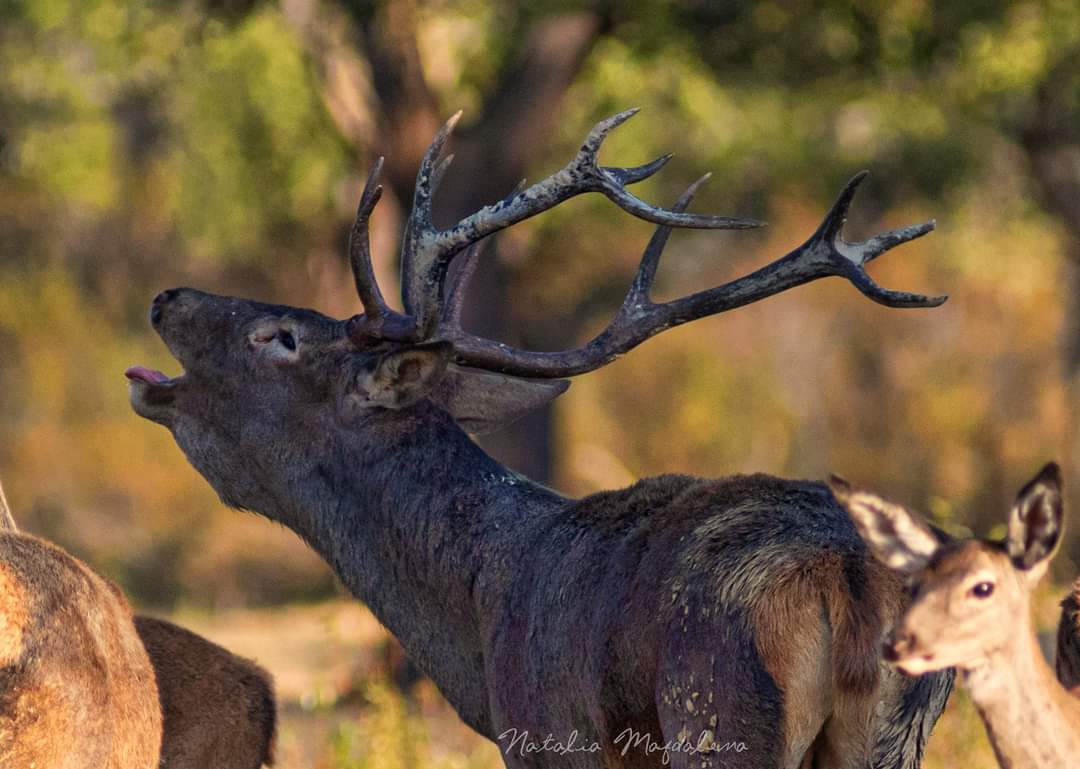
[433, 308]
[824, 254]
[428, 251]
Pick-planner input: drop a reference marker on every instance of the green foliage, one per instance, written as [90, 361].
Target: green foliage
[253, 154]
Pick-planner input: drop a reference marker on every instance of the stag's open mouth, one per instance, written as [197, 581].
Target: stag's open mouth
[148, 375]
[152, 393]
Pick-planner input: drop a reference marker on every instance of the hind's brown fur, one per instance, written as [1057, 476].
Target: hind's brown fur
[219, 708]
[77, 690]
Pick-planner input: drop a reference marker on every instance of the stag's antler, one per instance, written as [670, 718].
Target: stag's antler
[433, 310]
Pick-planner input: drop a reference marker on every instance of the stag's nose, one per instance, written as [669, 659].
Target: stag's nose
[897, 646]
[159, 301]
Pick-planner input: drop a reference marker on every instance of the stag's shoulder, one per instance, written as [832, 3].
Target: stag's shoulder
[676, 501]
[626, 507]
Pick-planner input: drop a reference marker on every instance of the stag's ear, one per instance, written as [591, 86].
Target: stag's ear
[899, 538]
[483, 401]
[1035, 523]
[400, 378]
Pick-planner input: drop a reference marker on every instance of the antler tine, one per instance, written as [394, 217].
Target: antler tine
[360, 246]
[454, 301]
[650, 259]
[378, 321]
[416, 279]
[861, 253]
[440, 172]
[430, 174]
[824, 254]
[428, 251]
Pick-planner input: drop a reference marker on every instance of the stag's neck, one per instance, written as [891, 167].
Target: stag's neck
[1032, 721]
[424, 527]
[415, 503]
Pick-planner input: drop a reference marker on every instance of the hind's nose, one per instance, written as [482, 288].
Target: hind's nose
[159, 301]
[897, 646]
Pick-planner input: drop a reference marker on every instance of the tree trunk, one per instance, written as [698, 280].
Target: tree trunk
[491, 154]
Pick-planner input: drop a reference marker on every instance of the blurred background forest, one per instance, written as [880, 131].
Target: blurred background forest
[223, 143]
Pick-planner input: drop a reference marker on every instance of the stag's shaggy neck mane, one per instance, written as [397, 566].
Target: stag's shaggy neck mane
[421, 482]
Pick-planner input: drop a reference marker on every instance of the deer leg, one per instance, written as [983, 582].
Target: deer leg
[719, 708]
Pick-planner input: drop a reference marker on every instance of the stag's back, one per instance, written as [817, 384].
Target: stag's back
[76, 687]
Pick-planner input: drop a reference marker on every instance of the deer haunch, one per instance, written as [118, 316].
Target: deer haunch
[77, 690]
[219, 709]
[61, 622]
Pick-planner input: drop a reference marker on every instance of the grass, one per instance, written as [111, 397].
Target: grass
[339, 709]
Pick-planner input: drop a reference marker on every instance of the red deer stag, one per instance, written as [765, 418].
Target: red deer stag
[729, 623]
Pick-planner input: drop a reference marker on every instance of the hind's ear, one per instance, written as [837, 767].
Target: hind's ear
[483, 401]
[1035, 522]
[898, 537]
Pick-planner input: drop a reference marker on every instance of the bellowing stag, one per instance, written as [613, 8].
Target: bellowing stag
[728, 623]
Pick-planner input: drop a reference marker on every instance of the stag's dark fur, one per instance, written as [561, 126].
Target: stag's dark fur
[1067, 659]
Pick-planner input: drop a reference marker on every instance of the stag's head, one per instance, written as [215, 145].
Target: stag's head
[969, 598]
[263, 382]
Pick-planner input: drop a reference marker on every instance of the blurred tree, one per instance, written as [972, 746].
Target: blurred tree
[818, 87]
[527, 64]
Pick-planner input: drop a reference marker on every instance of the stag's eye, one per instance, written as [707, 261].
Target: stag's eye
[983, 590]
[288, 341]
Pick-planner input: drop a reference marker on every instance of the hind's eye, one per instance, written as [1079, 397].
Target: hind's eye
[288, 341]
[983, 590]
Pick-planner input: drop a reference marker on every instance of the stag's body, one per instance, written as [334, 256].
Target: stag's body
[627, 610]
[740, 615]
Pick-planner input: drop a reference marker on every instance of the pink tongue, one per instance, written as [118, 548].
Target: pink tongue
[145, 374]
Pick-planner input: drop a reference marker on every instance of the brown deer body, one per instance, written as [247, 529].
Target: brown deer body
[731, 623]
[77, 690]
[972, 610]
[218, 709]
[203, 706]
